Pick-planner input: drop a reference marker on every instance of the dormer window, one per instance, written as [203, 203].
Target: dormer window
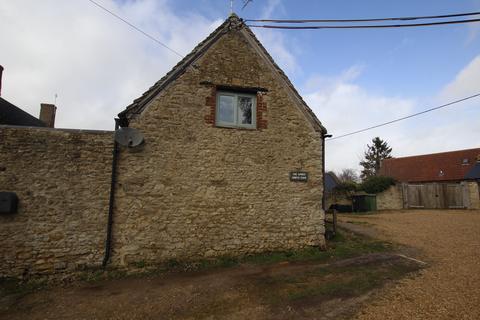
[465, 162]
[237, 110]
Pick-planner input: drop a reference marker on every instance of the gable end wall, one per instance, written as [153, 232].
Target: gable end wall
[195, 190]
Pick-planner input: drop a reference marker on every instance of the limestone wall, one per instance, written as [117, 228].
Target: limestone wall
[473, 194]
[390, 199]
[192, 190]
[197, 190]
[62, 179]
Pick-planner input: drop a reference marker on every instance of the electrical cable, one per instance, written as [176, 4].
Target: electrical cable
[136, 28]
[403, 118]
[367, 26]
[365, 20]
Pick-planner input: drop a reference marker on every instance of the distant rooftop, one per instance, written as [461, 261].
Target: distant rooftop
[13, 115]
[445, 166]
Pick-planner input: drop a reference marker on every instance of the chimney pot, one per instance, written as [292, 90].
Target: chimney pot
[47, 114]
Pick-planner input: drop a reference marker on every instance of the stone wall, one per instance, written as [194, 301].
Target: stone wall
[196, 190]
[62, 179]
[473, 194]
[193, 190]
[390, 199]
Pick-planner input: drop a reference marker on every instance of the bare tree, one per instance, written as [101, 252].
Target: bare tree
[348, 175]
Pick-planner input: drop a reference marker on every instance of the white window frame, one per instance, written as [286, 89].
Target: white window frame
[236, 118]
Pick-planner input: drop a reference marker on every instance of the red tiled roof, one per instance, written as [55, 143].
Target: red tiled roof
[445, 166]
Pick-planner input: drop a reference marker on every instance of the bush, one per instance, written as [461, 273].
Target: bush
[376, 184]
[345, 188]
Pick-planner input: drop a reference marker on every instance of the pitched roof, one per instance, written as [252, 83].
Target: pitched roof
[445, 166]
[331, 181]
[474, 173]
[13, 115]
[232, 23]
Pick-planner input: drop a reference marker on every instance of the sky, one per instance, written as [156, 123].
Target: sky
[352, 79]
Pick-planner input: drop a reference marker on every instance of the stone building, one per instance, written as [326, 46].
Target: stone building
[232, 164]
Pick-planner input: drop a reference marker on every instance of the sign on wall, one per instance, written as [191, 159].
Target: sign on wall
[299, 176]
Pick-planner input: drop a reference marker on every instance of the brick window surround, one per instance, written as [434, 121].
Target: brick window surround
[211, 103]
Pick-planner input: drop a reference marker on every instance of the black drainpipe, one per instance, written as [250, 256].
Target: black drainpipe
[108, 242]
[324, 135]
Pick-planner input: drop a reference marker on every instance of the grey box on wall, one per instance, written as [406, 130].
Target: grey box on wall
[8, 202]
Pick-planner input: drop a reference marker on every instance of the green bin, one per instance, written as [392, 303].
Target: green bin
[363, 202]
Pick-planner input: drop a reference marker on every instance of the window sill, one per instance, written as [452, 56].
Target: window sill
[226, 126]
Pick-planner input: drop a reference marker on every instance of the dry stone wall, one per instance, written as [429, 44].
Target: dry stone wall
[197, 190]
[473, 194]
[62, 179]
[390, 199]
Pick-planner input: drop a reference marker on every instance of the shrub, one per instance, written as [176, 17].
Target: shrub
[345, 188]
[376, 184]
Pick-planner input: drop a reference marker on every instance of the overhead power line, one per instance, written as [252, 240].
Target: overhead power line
[245, 3]
[403, 118]
[136, 28]
[372, 26]
[366, 20]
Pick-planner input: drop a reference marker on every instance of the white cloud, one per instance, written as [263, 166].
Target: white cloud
[344, 106]
[95, 63]
[466, 82]
[275, 42]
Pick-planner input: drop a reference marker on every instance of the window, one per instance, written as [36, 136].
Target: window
[236, 110]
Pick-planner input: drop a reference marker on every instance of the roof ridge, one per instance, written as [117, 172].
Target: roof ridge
[431, 154]
[232, 22]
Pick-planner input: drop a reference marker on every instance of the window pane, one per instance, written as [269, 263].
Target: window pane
[245, 110]
[226, 109]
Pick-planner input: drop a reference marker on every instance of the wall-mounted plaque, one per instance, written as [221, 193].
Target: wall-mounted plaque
[299, 176]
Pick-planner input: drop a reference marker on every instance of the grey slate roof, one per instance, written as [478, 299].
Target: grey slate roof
[474, 173]
[232, 23]
[331, 181]
[13, 115]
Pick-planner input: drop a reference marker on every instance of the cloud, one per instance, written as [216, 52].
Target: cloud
[466, 82]
[95, 63]
[343, 107]
[274, 41]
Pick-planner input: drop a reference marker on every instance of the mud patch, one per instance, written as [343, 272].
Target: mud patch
[313, 284]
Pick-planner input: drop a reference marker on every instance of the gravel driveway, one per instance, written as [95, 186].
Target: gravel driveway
[449, 288]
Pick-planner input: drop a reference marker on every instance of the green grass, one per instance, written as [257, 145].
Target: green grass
[344, 245]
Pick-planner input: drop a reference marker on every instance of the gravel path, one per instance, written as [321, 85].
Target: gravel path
[449, 288]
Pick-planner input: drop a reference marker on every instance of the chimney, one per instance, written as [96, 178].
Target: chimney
[1, 72]
[47, 114]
